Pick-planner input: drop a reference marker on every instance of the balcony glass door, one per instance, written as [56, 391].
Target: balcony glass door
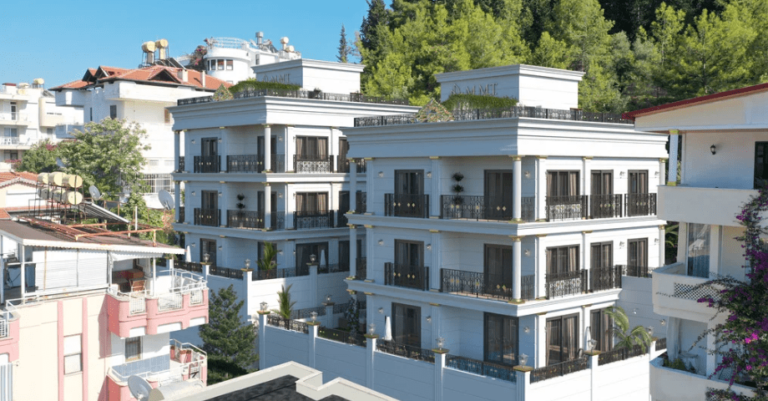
[600, 325]
[637, 257]
[563, 259]
[409, 253]
[602, 255]
[498, 195]
[406, 324]
[304, 251]
[638, 200]
[602, 203]
[208, 246]
[698, 250]
[562, 339]
[209, 147]
[409, 193]
[311, 148]
[210, 200]
[500, 339]
[761, 165]
[498, 270]
[563, 201]
[343, 165]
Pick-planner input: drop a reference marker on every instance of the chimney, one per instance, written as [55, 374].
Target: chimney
[202, 78]
[183, 75]
[259, 37]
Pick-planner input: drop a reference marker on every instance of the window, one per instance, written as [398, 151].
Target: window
[167, 116]
[11, 132]
[698, 250]
[72, 354]
[14, 111]
[602, 255]
[157, 182]
[563, 259]
[304, 251]
[113, 112]
[90, 110]
[498, 195]
[310, 148]
[211, 65]
[154, 162]
[600, 325]
[220, 64]
[12, 155]
[562, 183]
[210, 200]
[761, 165]
[638, 182]
[562, 339]
[49, 131]
[498, 269]
[409, 253]
[311, 203]
[230, 65]
[637, 253]
[209, 147]
[406, 324]
[500, 343]
[208, 246]
[132, 349]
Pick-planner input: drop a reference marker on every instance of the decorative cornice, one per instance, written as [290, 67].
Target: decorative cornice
[674, 132]
[585, 158]
[434, 231]
[516, 238]
[434, 157]
[368, 226]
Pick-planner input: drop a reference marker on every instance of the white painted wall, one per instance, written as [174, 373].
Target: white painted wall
[337, 359]
[732, 166]
[403, 378]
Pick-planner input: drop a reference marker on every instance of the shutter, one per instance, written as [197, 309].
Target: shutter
[56, 269]
[91, 268]
[6, 382]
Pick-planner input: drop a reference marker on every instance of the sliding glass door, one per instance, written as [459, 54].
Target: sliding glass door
[562, 339]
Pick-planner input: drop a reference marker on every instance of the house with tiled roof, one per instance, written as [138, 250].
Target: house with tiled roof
[141, 95]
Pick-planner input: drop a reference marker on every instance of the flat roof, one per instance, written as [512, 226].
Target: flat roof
[279, 389]
[697, 100]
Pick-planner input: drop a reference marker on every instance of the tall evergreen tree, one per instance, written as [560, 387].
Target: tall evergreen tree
[229, 342]
[344, 49]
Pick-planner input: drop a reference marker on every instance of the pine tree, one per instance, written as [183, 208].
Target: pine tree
[229, 342]
[377, 16]
[344, 49]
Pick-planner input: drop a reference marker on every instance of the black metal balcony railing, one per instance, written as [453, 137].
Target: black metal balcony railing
[559, 369]
[299, 94]
[208, 217]
[635, 270]
[566, 207]
[245, 219]
[605, 278]
[276, 163]
[280, 273]
[568, 283]
[181, 214]
[528, 208]
[342, 220]
[473, 208]
[207, 164]
[605, 206]
[481, 368]
[478, 285]
[661, 344]
[343, 336]
[361, 203]
[360, 267]
[278, 220]
[181, 166]
[310, 220]
[288, 324]
[333, 268]
[404, 205]
[620, 354]
[415, 277]
[312, 164]
[640, 205]
[407, 351]
[244, 164]
[361, 168]
[225, 272]
[189, 266]
[342, 165]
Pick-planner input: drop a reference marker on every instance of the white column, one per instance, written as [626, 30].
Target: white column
[268, 206]
[370, 346]
[714, 250]
[176, 148]
[517, 189]
[540, 267]
[372, 174]
[262, 340]
[662, 240]
[541, 188]
[352, 250]
[586, 176]
[434, 197]
[437, 260]
[516, 270]
[312, 342]
[223, 149]
[223, 204]
[662, 170]
[674, 139]
[313, 282]
[268, 149]
[371, 242]
[23, 260]
[594, 361]
[287, 143]
[353, 185]
[439, 367]
[523, 379]
[541, 335]
[177, 199]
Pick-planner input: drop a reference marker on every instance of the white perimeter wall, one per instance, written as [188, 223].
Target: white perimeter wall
[636, 298]
[337, 359]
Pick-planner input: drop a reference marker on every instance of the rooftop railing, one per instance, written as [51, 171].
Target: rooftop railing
[559, 369]
[490, 114]
[481, 368]
[299, 94]
[407, 351]
[408, 276]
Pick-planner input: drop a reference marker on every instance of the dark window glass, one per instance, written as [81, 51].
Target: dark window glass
[562, 183]
[406, 324]
[562, 339]
[600, 330]
[409, 253]
[562, 259]
[304, 251]
[500, 339]
[601, 255]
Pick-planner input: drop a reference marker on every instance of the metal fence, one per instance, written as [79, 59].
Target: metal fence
[661, 344]
[605, 278]
[311, 220]
[300, 94]
[559, 369]
[406, 205]
[640, 204]
[158, 182]
[408, 276]
[280, 273]
[481, 368]
[566, 207]
[207, 217]
[170, 301]
[189, 266]
[407, 351]
[312, 165]
[605, 206]
[245, 219]
[568, 283]
[620, 354]
[207, 164]
[288, 324]
[635, 270]
[245, 164]
[225, 272]
[342, 336]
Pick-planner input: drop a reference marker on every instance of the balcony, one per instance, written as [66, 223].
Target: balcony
[184, 363]
[312, 164]
[674, 384]
[400, 275]
[173, 301]
[245, 164]
[640, 205]
[245, 219]
[480, 285]
[361, 272]
[715, 206]
[560, 208]
[313, 220]
[462, 207]
[180, 167]
[676, 293]
[9, 141]
[207, 217]
[361, 203]
[207, 164]
[15, 119]
[579, 207]
[567, 283]
[9, 332]
[404, 205]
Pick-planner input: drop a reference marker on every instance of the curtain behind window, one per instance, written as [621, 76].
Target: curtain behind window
[698, 250]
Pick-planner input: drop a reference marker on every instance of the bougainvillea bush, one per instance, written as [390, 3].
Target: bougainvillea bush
[743, 339]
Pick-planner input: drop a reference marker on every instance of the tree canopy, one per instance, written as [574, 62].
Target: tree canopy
[40, 158]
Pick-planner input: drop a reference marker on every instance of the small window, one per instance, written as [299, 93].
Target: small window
[113, 112]
[220, 64]
[73, 354]
[49, 131]
[132, 349]
[91, 114]
[154, 162]
[230, 65]
[167, 116]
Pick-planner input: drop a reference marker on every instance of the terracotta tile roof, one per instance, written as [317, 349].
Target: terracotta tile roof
[696, 100]
[155, 74]
[12, 177]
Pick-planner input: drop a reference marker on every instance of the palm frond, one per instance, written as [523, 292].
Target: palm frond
[284, 303]
[619, 317]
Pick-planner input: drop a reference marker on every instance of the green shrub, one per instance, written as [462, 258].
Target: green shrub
[252, 83]
[462, 101]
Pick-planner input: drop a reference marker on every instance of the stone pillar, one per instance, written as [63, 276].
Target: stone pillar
[262, 339]
[523, 381]
[329, 322]
[371, 242]
[540, 264]
[177, 149]
[662, 170]
[206, 269]
[352, 251]
[312, 326]
[517, 189]
[592, 363]
[268, 206]
[440, 355]
[223, 151]
[517, 270]
[313, 281]
[437, 260]
[674, 138]
[436, 192]
[353, 185]
[371, 175]
[268, 149]
[370, 346]
[247, 276]
[177, 199]
[662, 250]
[541, 188]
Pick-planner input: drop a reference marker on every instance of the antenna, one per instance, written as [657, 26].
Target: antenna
[139, 388]
[95, 193]
[166, 199]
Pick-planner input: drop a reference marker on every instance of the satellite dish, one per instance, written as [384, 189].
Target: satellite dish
[166, 199]
[139, 388]
[95, 194]
[60, 162]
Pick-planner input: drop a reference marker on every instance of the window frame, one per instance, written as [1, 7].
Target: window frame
[230, 64]
[139, 346]
[113, 111]
[78, 354]
[503, 319]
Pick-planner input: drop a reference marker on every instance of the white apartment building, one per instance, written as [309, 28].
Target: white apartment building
[271, 166]
[29, 114]
[495, 240]
[724, 140]
[141, 95]
[84, 309]
[232, 60]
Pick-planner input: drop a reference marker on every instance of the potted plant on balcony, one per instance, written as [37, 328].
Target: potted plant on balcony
[269, 261]
[315, 94]
[457, 189]
[240, 209]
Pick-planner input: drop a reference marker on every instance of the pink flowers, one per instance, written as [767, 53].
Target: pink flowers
[751, 338]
